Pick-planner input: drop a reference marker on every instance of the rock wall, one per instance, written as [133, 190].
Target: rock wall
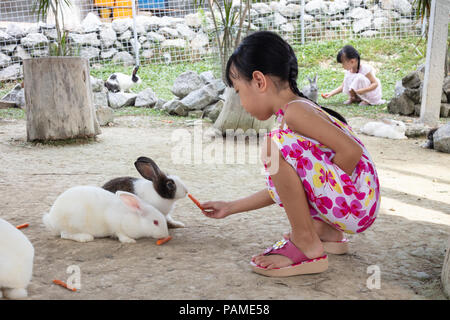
[168, 39]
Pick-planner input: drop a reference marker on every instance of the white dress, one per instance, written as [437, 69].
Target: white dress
[359, 80]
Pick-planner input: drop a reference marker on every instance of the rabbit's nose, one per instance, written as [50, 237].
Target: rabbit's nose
[155, 222]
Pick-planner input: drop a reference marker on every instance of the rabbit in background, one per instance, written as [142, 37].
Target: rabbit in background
[311, 90]
[387, 128]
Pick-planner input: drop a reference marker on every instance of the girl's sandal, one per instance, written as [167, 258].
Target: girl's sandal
[333, 247]
[301, 263]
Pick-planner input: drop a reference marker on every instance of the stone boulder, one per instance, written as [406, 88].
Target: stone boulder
[146, 99]
[442, 138]
[121, 99]
[185, 83]
[200, 98]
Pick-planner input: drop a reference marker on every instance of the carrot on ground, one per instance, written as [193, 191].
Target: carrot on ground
[195, 201]
[63, 284]
[21, 226]
[163, 240]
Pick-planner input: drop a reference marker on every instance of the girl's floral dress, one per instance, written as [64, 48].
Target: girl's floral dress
[349, 203]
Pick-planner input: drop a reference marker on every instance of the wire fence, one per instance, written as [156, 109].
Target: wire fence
[172, 31]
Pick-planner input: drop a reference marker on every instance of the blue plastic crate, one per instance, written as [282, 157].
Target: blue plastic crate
[152, 4]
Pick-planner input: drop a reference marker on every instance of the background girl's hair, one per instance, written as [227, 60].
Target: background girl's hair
[268, 53]
[350, 53]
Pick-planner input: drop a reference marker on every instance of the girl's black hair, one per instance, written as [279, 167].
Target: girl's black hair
[350, 53]
[268, 53]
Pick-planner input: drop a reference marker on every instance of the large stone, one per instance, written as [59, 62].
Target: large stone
[315, 7]
[105, 115]
[97, 85]
[338, 6]
[200, 41]
[413, 80]
[175, 107]
[107, 37]
[146, 99]
[441, 138]
[11, 72]
[168, 33]
[291, 10]
[89, 39]
[360, 13]
[122, 25]
[123, 57]
[13, 98]
[200, 98]
[100, 98]
[193, 20]
[185, 83]
[445, 110]
[212, 111]
[121, 99]
[33, 40]
[174, 43]
[362, 25]
[415, 95]
[91, 23]
[184, 31]
[16, 30]
[401, 105]
[5, 60]
[90, 52]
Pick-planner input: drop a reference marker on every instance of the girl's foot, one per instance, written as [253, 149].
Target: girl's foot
[272, 261]
[349, 101]
[364, 103]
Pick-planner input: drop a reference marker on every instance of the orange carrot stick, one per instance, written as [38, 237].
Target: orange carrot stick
[163, 240]
[195, 201]
[323, 95]
[64, 285]
[21, 226]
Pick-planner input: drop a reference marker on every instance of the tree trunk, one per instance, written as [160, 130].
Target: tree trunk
[233, 116]
[59, 103]
[445, 276]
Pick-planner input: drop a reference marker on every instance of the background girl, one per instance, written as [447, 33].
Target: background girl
[360, 83]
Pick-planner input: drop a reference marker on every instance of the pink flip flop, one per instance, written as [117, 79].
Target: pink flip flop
[301, 263]
[333, 247]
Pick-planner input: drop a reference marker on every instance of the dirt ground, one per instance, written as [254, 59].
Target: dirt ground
[209, 259]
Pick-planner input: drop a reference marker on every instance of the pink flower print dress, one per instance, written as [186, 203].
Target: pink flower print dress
[359, 80]
[349, 203]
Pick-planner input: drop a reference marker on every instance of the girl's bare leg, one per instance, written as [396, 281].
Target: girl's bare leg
[292, 194]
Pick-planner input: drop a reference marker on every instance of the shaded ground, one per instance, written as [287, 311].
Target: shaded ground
[209, 258]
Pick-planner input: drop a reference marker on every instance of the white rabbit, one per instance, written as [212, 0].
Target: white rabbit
[83, 213]
[311, 91]
[122, 82]
[158, 189]
[387, 128]
[16, 261]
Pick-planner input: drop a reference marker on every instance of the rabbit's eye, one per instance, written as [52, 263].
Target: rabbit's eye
[155, 222]
[170, 185]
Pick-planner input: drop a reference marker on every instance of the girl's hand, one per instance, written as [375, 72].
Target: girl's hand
[326, 95]
[216, 209]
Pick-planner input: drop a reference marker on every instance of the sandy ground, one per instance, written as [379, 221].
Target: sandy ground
[209, 259]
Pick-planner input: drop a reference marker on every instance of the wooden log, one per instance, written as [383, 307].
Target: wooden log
[58, 97]
[445, 276]
[233, 116]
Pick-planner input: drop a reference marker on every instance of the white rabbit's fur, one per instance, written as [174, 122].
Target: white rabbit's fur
[83, 213]
[387, 128]
[16, 261]
[122, 82]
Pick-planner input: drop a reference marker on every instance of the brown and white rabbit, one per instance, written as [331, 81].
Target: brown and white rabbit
[157, 188]
[83, 213]
[16, 261]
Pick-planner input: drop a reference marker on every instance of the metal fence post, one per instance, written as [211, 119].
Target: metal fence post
[136, 43]
[302, 22]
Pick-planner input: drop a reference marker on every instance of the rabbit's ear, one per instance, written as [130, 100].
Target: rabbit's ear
[387, 121]
[147, 168]
[315, 78]
[130, 200]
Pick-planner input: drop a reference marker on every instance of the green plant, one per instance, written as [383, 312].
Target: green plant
[62, 46]
[228, 25]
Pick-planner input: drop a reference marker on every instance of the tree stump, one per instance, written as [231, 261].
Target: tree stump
[445, 276]
[233, 116]
[58, 97]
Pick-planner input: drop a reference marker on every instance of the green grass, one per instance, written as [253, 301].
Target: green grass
[393, 59]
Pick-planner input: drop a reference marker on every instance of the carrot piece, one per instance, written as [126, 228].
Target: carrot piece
[195, 201]
[21, 226]
[163, 240]
[64, 285]
[323, 95]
